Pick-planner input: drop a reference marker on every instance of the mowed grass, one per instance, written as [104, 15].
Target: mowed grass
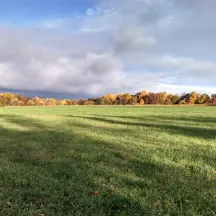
[108, 161]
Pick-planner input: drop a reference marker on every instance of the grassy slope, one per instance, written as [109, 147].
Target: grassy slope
[108, 161]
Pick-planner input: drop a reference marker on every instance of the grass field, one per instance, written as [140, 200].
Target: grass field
[108, 161]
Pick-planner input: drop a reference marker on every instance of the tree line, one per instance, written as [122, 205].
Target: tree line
[140, 98]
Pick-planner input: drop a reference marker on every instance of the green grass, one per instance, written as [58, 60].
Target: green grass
[108, 161]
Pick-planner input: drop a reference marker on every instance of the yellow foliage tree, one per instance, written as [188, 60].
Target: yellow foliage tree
[30, 103]
[37, 101]
[109, 99]
[142, 102]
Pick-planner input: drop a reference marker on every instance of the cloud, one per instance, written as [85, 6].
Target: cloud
[129, 39]
[30, 67]
[176, 89]
[185, 69]
[91, 74]
[188, 64]
[116, 46]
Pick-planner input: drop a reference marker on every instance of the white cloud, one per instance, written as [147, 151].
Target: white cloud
[36, 69]
[176, 89]
[169, 43]
[188, 64]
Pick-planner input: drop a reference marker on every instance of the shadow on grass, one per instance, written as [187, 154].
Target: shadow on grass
[151, 122]
[195, 119]
[64, 172]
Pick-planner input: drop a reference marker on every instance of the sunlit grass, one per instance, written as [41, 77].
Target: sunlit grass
[108, 161]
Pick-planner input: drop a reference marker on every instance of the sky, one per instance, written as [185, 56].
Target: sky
[87, 48]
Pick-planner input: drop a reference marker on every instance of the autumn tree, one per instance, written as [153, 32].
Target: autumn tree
[173, 98]
[81, 102]
[100, 101]
[20, 103]
[109, 99]
[20, 98]
[192, 98]
[168, 102]
[89, 102]
[50, 102]
[30, 102]
[183, 99]
[61, 102]
[162, 96]
[140, 95]
[152, 98]
[14, 102]
[142, 102]
[123, 99]
[42, 102]
[132, 101]
[73, 102]
[213, 99]
[182, 102]
[203, 99]
[6, 98]
[140, 98]
[36, 101]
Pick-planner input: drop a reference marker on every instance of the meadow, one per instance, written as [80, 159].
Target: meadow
[90, 160]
